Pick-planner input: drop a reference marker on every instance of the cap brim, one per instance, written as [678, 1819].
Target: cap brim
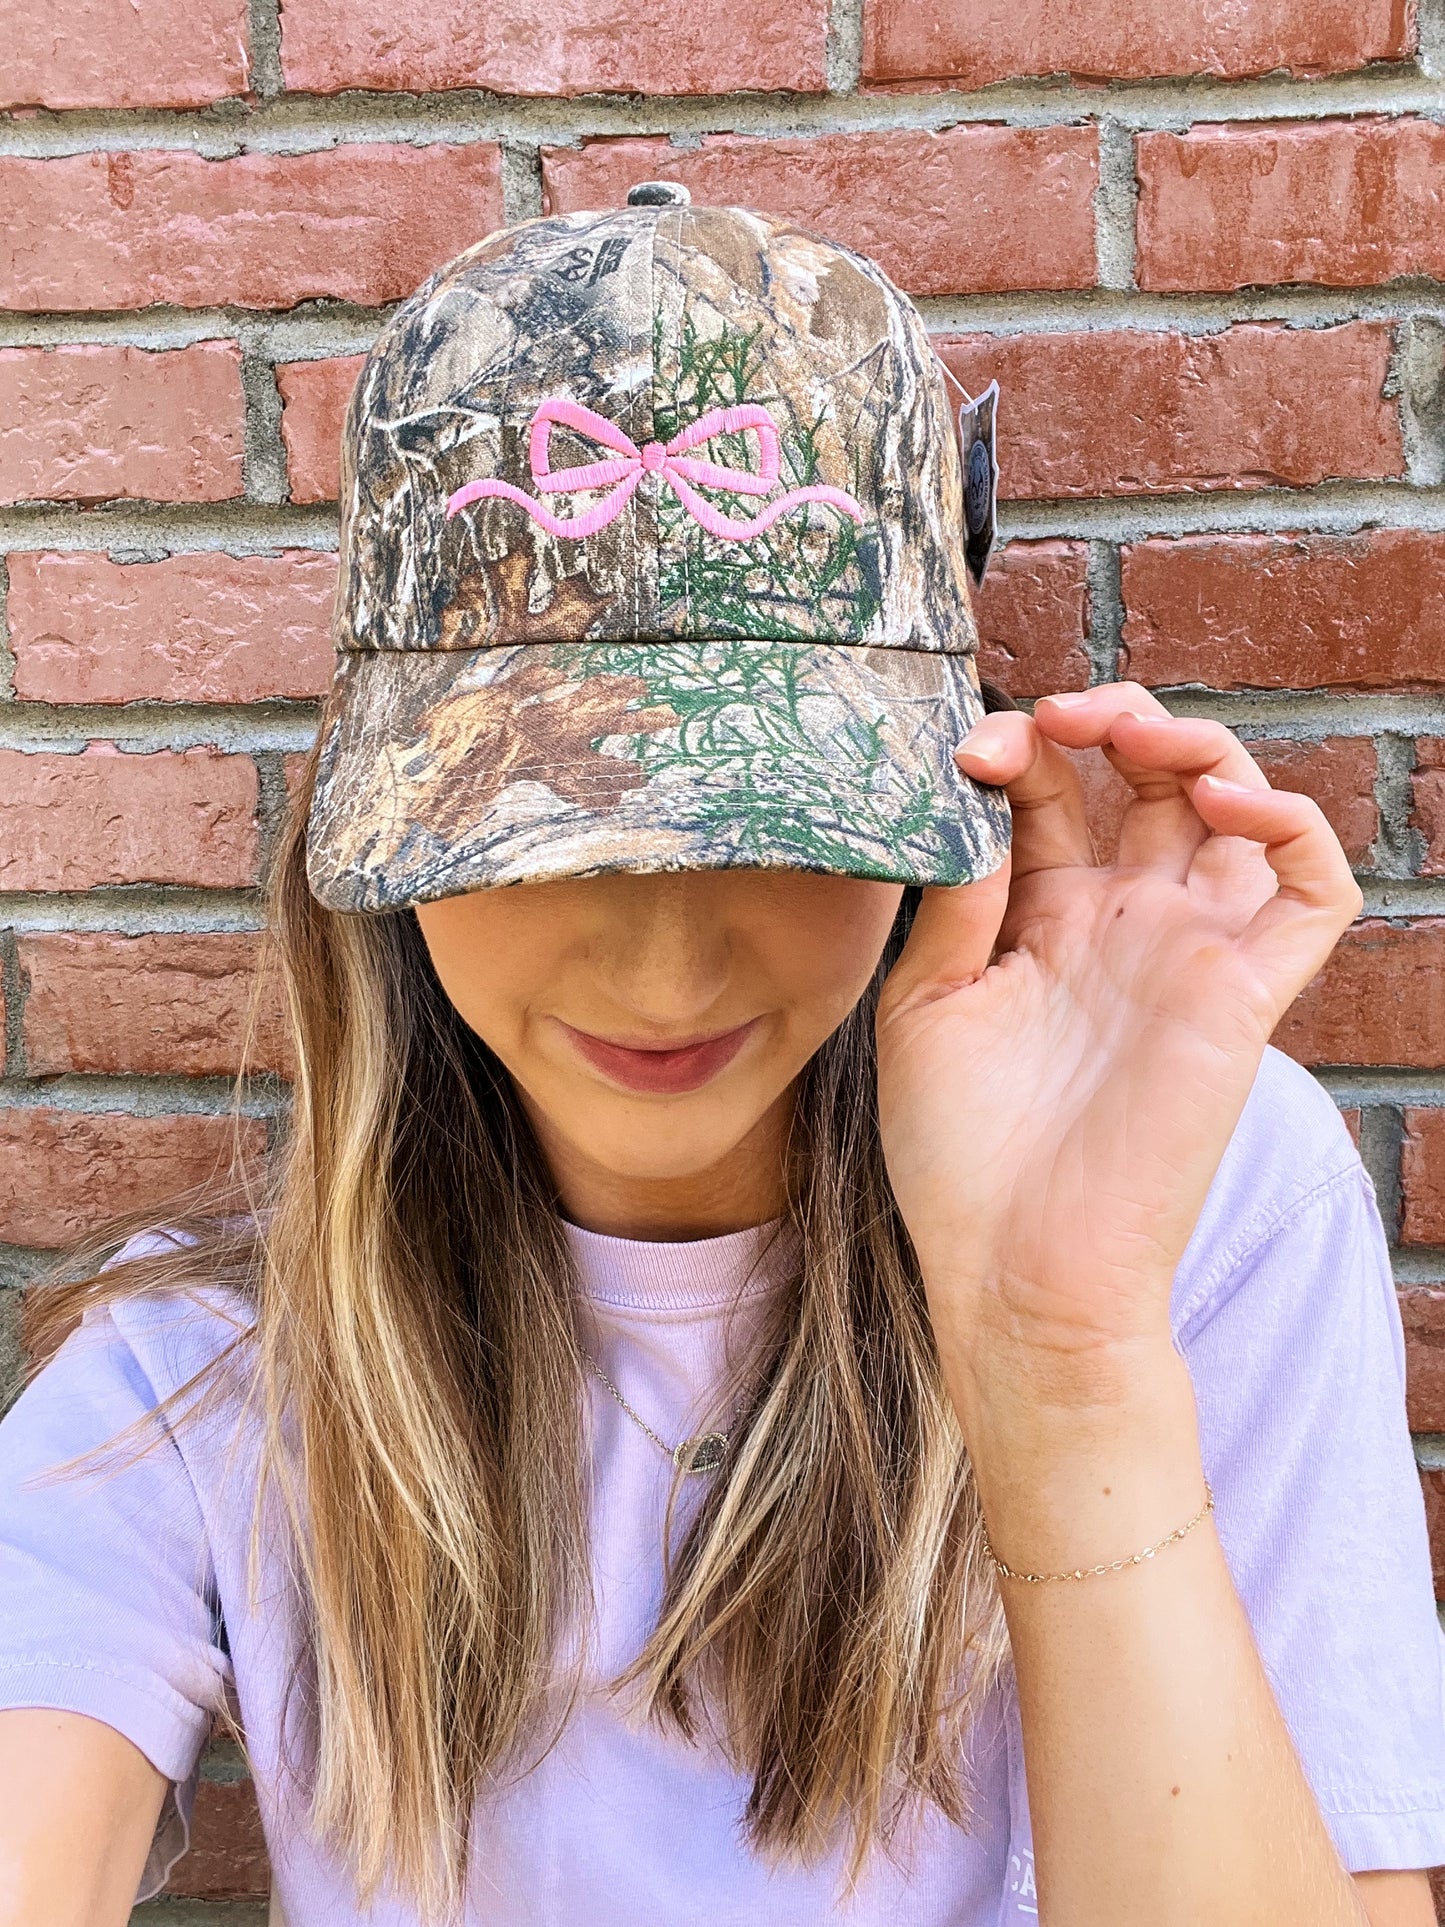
[448, 771]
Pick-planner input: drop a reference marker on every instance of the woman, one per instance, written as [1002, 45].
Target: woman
[798, 1365]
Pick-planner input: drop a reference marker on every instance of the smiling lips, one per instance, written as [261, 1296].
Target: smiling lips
[685, 1067]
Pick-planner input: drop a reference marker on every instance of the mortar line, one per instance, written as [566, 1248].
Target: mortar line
[143, 729]
[7, 654]
[1430, 15]
[843, 52]
[521, 180]
[272, 801]
[279, 728]
[249, 528]
[266, 77]
[1106, 611]
[1350, 1086]
[12, 981]
[134, 910]
[303, 123]
[90, 1094]
[1382, 1132]
[1116, 202]
[1415, 1266]
[263, 463]
[1398, 848]
[316, 330]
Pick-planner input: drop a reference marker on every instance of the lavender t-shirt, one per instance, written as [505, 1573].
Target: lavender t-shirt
[126, 1598]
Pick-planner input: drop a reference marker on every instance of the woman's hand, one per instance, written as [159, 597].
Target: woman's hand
[1064, 1049]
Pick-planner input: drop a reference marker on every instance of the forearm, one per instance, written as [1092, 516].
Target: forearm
[1163, 1784]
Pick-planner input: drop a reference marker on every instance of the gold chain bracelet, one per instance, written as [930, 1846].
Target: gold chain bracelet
[1114, 1565]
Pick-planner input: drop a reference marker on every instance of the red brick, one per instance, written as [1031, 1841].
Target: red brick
[1433, 1487]
[1277, 612]
[1380, 999]
[1428, 812]
[227, 1855]
[556, 46]
[107, 816]
[1353, 1118]
[158, 1004]
[1422, 1312]
[92, 423]
[1121, 413]
[1343, 203]
[1339, 773]
[195, 628]
[977, 44]
[314, 395]
[967, 208]
[1033, 618]
[117, 53]
[64, 1173]
[362, 223]
[1422, 1175]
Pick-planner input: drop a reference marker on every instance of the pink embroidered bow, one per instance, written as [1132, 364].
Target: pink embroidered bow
[621, 474]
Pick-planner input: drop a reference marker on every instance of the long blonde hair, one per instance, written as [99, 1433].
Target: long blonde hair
[830, 1613]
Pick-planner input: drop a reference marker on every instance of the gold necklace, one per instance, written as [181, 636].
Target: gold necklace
[705, 1453]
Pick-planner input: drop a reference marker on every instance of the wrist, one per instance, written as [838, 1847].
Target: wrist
[1075, 1471]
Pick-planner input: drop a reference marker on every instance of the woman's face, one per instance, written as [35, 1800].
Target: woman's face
[655, 1025]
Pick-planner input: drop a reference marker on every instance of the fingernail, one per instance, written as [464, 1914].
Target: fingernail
[1223, 783]
[1068, 702]
[984, 752]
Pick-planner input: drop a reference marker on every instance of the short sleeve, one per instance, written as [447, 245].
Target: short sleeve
[107, 1596]
[1298, 1362]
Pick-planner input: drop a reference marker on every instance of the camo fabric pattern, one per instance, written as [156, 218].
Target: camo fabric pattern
[511, 704]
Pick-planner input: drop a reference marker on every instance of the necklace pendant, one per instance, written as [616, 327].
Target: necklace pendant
[703, 1454]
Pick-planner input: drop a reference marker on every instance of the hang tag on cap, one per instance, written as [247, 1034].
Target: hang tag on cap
[978, 448]
[977, 441]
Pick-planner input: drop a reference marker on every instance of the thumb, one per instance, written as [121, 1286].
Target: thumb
[952, 940]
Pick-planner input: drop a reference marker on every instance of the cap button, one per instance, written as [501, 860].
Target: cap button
[658, 194]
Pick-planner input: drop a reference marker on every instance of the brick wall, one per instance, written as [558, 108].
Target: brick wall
[1202, 249]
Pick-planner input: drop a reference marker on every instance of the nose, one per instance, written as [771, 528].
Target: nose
[666, 954]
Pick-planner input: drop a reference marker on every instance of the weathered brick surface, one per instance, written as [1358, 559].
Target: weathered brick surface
[64, 1173]
[1380, 999]
[162, 1004]
[556, 47]
[1423, 1178]
[974, 207]
[1422, 1312]
[194, 628]
[227, 1856]
[1274, 612]
[106, 816]
[1427, 815]
[1344, 203]
[314, 395]
[1123, 412]
[1033, 618]
[116, 53]
[365, 222]
[89, 423]
[1433, 1487]
[1118, 39]
[1339, 774]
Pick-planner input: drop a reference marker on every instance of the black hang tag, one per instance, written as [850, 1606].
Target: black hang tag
[977, 444]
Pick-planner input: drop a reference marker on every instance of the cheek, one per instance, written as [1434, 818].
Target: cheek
[484, 974]
[825, 961]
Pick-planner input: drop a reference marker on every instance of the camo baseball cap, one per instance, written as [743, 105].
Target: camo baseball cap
[653, 558]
